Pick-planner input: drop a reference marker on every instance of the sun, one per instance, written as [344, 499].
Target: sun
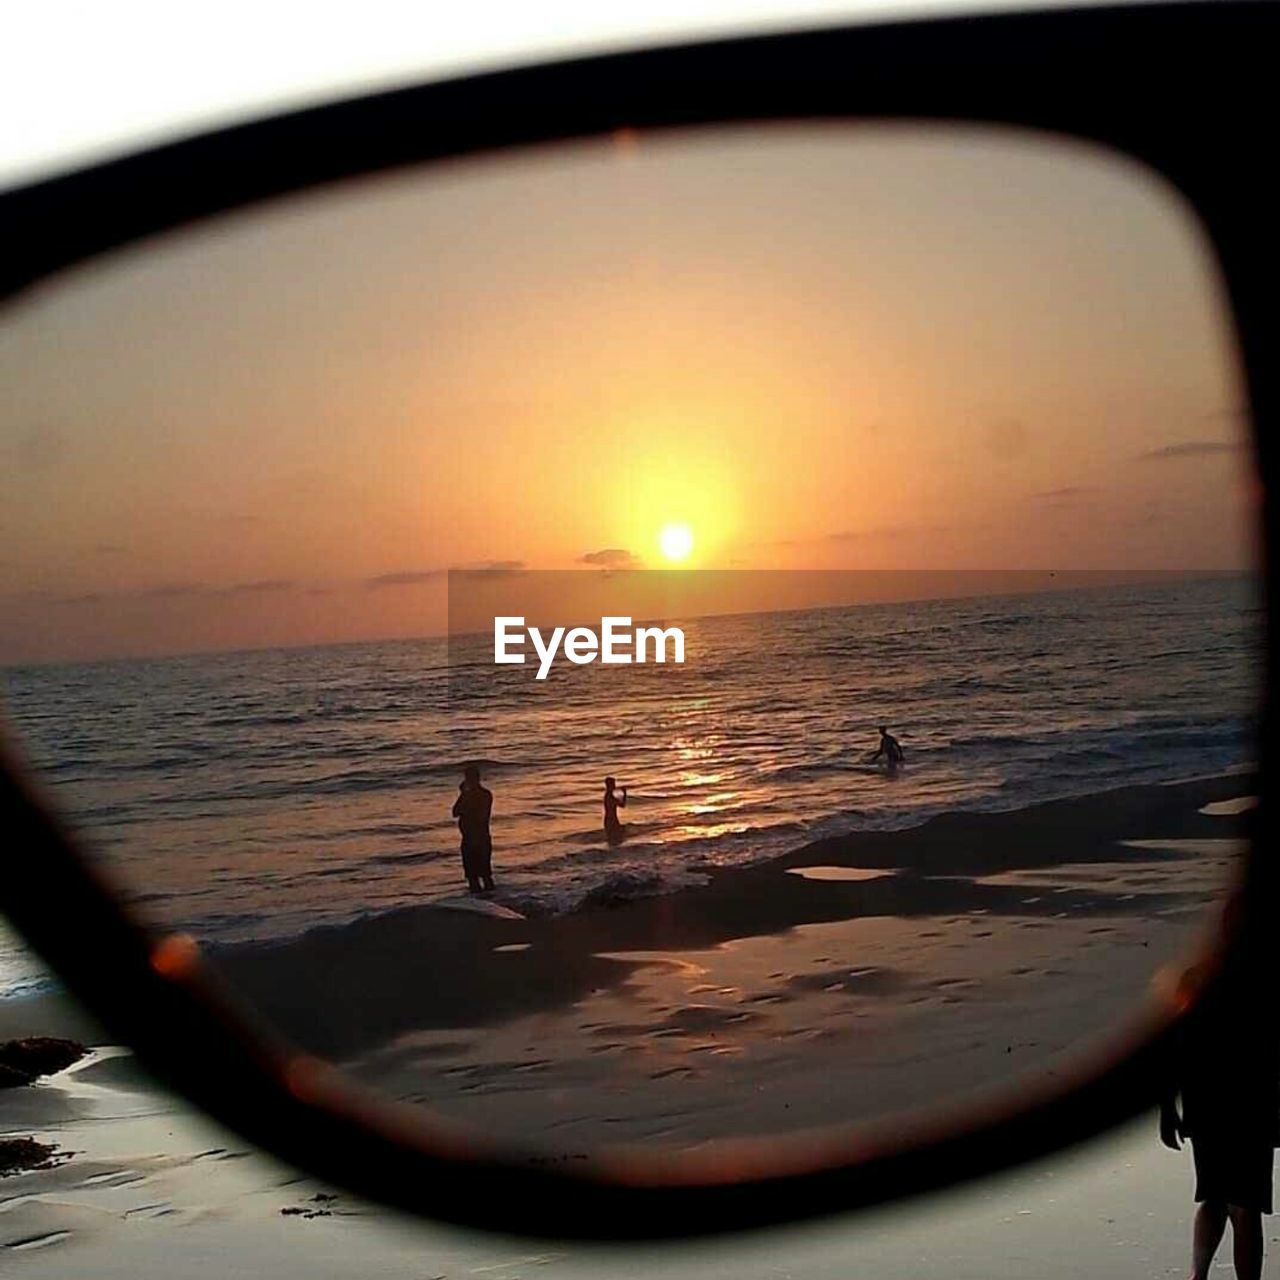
[676, 541]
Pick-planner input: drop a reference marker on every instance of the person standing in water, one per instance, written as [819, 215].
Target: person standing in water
[614, 831]
[472, 809]
[889, 747]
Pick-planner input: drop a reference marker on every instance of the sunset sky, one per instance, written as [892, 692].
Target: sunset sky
[806, 347]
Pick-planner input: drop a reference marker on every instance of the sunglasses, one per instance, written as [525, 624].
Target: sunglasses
[663, 643]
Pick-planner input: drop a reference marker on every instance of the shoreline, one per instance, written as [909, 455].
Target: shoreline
[904, 965]
[754, 900]
[972, 948]
[814, 1025]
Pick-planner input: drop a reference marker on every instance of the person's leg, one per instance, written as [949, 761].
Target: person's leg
[486, 868]
[470, 869]
[1246, 1242]
[1211, 1222]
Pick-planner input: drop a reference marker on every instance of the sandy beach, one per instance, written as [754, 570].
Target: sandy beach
[848, 981]
[151, 1191]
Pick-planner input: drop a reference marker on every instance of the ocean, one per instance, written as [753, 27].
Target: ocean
[259, 794]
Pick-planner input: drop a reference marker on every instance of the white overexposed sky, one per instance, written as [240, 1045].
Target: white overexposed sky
[82, 80]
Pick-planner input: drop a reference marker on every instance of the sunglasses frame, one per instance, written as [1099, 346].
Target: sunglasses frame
[1185, 89]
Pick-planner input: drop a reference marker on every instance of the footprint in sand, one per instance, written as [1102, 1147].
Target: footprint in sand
[953, 990]
[39, 1242]
[667, 1072]
[855, 982]
[161, 1209]
[696, 1018]
[118, 1178]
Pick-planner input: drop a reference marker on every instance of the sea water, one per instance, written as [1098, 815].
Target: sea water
[258, 794]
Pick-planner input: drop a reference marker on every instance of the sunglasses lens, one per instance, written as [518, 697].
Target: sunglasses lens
[731, 634]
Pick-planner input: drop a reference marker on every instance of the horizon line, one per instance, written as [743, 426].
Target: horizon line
[1115, 577]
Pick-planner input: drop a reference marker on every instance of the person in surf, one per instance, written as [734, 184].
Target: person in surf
[614, 830]
[472, 809]
[890, 748]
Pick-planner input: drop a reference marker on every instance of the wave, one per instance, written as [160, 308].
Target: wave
[409, 859]
[582, 880]
[350, 781]
[623, 887]
[596, 836]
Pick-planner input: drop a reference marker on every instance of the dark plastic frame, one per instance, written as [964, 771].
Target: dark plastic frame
[1187, 89]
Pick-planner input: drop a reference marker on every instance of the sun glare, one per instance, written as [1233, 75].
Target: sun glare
[676, 541]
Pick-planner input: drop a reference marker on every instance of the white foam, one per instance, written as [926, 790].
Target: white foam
[838, 873]
[480, 906]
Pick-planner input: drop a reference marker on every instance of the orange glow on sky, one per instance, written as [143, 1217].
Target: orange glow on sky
[818, 347]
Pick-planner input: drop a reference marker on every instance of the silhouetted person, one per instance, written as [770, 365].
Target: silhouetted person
[472, 809]
[614, 831]
[889, 747]
[1227, 1076]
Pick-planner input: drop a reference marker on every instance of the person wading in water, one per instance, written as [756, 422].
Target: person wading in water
[614, 831]
[472, 809]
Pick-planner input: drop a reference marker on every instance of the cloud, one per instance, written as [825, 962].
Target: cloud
[1193, 449]
[405, 578]
[887, 531]
[420, 577]
[261, 587]
[182, 591]
[610, 558]
[493, 566]
[1067, 491]
[489, 569]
